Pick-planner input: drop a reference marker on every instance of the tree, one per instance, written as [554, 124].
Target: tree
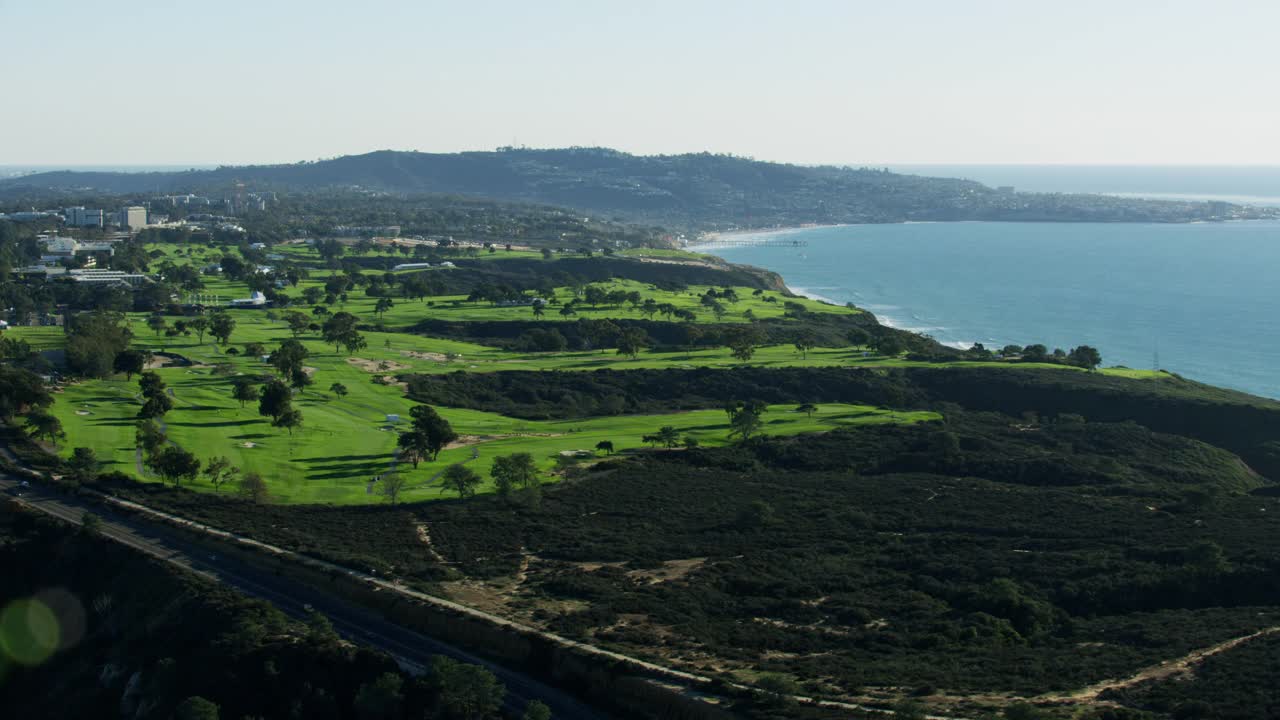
[414, 447]
[300, 379]
[84, 464]
[245, 391]
[253, 488]
[297, 321]
[746, 423]
[338, 389]
[157, 323]
[1085, 356]
[288, 420]
[536, 710]
[382, 306]
[461, 479]
[353, 342]
[20, 391]
[742, 343]
[805, 342]
[380, 699]
[149, 436]
[890, 345]
[200, 325]
[150, 384]
[254, 349]
[807, 408]
[668, 436]
[632, 341]
[391, 485]
[509, 472]
[156, 406]
[220, 471]
[606, 446]
[233, 267]
[40, 424]
[221, 325]
[93, 341]
[173, 464]
[339, 330]
[196, 708]
[1035, 353]
[275, 399]
[594, 295]
[130, 362]
[437, 431]
[465, 690]
[288, 359]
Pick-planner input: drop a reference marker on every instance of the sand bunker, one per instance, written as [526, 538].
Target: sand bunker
[83, 412]
[248, 444]
[164, 359]
[377, 366]
[434, 356]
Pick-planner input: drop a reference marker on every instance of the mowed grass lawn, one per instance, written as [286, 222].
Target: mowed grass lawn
[457, 308]
[345, 441]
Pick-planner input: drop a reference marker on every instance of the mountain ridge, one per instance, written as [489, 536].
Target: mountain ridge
[692, 190]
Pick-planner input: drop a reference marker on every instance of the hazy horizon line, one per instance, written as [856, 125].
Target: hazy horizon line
[204, 165]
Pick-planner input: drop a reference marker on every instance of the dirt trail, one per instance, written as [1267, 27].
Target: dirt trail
[1163, 670]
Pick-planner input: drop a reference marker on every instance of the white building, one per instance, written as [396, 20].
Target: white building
[64, 248]
[132, 218]
[257, 299]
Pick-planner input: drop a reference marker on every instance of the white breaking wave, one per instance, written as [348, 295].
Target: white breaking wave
[806, 292]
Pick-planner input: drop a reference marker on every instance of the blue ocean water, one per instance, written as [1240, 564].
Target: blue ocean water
[1204, 297]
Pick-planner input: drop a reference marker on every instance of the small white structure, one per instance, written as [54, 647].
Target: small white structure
[410, 266]
[257, 299]
[446, 263]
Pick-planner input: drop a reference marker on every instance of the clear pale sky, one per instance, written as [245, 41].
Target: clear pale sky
[845, 81]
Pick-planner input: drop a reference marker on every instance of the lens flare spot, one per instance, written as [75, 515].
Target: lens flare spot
[29, 632]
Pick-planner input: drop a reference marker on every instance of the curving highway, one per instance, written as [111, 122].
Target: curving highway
[411, 650]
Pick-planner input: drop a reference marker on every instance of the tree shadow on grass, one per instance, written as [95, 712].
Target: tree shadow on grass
[341, 458]
[346, 472]
[227, 423]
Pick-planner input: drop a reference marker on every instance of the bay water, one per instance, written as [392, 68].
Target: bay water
[1200, 299]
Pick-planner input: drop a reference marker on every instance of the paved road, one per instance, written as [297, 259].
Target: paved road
[410, 649]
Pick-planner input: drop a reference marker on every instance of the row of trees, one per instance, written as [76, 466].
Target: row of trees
[175, 465]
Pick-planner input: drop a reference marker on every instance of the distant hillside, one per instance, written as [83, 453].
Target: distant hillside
[695, 191]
